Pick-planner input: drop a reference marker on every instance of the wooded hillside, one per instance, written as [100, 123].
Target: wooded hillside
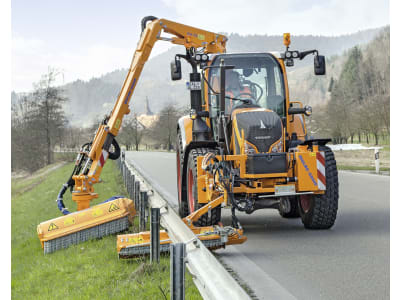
[96, 97]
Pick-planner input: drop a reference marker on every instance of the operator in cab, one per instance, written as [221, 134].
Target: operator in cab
[235, 88]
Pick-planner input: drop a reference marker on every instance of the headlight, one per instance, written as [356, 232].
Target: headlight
[277, 147]
[197, 57]
[204, 57]
[249, 149]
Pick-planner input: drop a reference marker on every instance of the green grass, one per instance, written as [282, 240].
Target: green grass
[362, 168]
[89, 270]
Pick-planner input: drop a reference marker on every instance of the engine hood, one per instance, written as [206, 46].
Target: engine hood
[262, 127]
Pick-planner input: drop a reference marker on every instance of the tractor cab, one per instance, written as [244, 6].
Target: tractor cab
[255, 101]
[256, 80]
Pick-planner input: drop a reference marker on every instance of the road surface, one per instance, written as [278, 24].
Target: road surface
[282, 260]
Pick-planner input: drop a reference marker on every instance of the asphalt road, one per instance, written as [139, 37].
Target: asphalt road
[282, 260]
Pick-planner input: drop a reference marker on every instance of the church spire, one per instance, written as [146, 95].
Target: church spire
[148, 111]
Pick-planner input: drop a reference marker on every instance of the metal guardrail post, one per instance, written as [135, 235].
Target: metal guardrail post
[129, 183]
[142, 211]
[124, 173]
[155, 235]
[177, 271]
[132, 186]
[137, 194]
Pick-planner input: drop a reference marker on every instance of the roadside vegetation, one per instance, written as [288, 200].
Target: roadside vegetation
[358, 108]
[362, 159]
[89, 270]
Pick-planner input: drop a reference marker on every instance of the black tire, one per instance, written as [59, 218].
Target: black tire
[294, 209]
[319, 211]
[182, 197]
[215, 214]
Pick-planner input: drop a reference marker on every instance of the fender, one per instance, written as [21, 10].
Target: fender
[185, 127]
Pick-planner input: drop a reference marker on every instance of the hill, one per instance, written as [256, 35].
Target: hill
[96, 97]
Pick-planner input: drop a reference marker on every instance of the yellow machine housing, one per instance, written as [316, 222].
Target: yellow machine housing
[78, 222]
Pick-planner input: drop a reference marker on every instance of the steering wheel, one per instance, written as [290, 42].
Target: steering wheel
[247, 94]
[261, 89]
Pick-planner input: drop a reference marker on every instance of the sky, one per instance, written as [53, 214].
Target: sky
[86, 38]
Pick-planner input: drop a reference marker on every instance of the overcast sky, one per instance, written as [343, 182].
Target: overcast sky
[88, 38]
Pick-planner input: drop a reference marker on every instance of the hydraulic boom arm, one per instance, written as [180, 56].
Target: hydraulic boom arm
[98, 151]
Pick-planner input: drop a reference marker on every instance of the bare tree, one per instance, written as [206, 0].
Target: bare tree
[132, 132]
[164, 130]
[38, 122]
[49, 109]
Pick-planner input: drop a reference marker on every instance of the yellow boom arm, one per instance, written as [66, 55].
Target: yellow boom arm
[188, 36]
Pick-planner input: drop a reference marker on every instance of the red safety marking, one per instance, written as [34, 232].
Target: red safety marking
[321, 177]
[101, 160]
[320, 158]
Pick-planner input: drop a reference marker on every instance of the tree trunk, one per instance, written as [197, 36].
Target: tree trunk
[367, 138]
[376, 139]
[48, 141]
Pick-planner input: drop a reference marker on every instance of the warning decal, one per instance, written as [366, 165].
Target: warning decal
[52, 227]
[69, 221]
[97, 212]
[113, 207]
[135, 240]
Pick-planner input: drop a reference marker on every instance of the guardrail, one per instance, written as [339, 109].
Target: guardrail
[349, 147]
[67, 150]
[210, 277]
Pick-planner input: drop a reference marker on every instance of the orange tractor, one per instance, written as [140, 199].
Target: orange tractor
[244, 145]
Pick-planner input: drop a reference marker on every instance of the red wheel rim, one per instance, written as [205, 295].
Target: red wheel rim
[305, 202]
[178, 173]
[190, 187]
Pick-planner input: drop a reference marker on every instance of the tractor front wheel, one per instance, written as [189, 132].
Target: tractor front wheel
[214, 216]
[182, 199]
[319, 211]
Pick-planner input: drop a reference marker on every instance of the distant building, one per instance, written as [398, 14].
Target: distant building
[148, 118]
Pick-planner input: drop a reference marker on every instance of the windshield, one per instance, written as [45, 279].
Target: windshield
[256, 79]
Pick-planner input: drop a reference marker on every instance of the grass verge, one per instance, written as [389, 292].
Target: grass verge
[360, 168]
[362, 159]
[90, 270]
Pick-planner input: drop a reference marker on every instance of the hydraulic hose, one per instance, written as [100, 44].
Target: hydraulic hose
[117, 150]
[145, 20]
[60, 202]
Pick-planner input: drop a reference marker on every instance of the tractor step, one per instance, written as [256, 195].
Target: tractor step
[96, 222]
[212, 237]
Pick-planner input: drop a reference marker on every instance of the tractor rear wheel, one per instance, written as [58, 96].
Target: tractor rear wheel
[182, 198]
[214, 216]
[294, 209]
[319, 211]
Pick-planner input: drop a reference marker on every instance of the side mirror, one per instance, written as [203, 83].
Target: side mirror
[306, 110]
[176, 71]
[319, 65]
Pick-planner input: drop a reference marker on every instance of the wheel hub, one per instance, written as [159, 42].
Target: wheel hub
[190, 191]
[305, 202]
